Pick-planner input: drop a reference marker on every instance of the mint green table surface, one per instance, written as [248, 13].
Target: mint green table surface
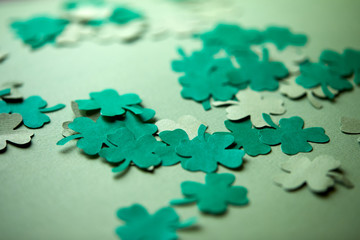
[55, 193]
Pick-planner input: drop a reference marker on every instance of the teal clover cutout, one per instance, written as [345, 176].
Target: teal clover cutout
[317, 74]
[123, 15]
[283, 37]
[204, 152]
[39, 31]
[72, 4]
[32, 110]
[140, 225]
[247, 137]
[291, 135]
[4, 92]
[213, 196]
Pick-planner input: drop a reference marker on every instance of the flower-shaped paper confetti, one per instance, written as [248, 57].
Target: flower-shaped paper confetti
[350, 125]
[128, 150]
[213, 196]
[254, 105]
[282, 37]
[291, 135]
[140, 225]
[122, 15]
[247, 137]
[39, 31]
[316, 74]
[8, 123]
[31, 109]
[204, 152]
[317, 174]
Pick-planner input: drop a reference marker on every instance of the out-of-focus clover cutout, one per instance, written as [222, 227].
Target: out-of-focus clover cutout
[283, 37]
[15, 94]
[350, 125]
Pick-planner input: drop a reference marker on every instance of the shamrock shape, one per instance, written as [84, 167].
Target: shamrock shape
[294, 91]
[122, 15]
[31, 109]
[135, 125]
[291, 135]
[260, 75]
[350, 125]
[213, 196]
[282, 37]
[126, 33]
[140, 151]
[247, 137]
[204, 152]
[315, 74]
[317, 174]
[140, 225]
[92, 134]
[87, 12]
[74, 33]
[345, 64]
[187, 123]
[8, 123]
[39, 31]
[254, 105]
[111, 103]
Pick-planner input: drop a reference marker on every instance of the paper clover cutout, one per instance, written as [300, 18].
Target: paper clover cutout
[254, 105]
[140, 225]
[4, 92]
[316, 74]
[122, 15]
[187, 123]
[204, 152]
[90, 12]
[73, 33]
[350, 125]
[31, 109]
[259, 75]
[317, 174]
[39, 31]
[204, 77]
[8, 124]
[291, 135]
[127, 33]
[345, 65]
[128, 149]
[282, 37]
[213, 196]
[247, 137]
[15, 94]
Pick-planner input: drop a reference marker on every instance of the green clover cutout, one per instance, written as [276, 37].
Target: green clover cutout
[291, 135]
[140, 225]
[93, 135]
[122, 15]
[128, 149]
[247, 137]
[316, 74]
[72, 4]
[40, 30]
[345, 64]
[134, 123]
[4, 92]
[213, 196]
[282, 37]
[111, 103]
[204, 152]
[260, 75]
[31, 109]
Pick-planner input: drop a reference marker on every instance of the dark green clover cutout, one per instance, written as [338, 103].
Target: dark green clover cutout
[40, 30]
[31, 109]
[247, 137]
[260, 75]
[345, 65]
[122, 15]
[93, 135]
[111, 103]
[128, 149]
[140, 225]
[136, 126]
[291, 135]
[204, 77]
[213, 196]
[316, 74]
[204, 152]
[282, 37]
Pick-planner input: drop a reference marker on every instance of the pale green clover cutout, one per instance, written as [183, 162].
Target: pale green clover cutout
[291, 135]
[8, 124]
[213, 196]
[204, 152]
[317, 174]
[350, 126]
[140, 225]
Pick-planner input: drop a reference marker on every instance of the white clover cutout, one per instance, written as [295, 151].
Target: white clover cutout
[350, 125]
[74, 33]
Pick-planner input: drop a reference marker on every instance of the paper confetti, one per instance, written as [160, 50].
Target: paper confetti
[350, 125]
[317, 174]
[291, 135]
[254, 105]
[4, 92]
[91, 12]
[282, 37]
[140, 225]
[123, 15]
[8, 124]
[204, 152]
[213, 196]
[15, 94]
[74, 33]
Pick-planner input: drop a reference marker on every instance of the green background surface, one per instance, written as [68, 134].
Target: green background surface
[52, 192]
